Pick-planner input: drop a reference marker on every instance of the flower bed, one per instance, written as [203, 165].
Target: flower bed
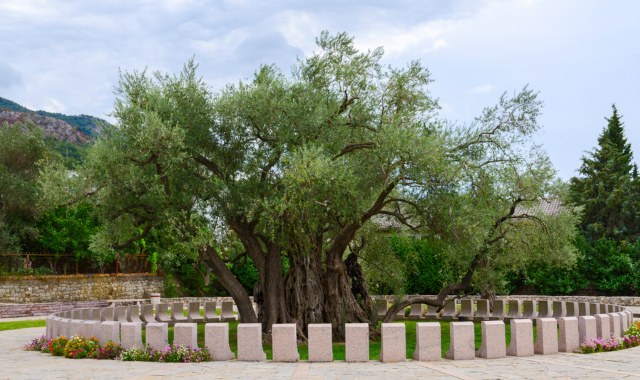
[80, 348]
[630, 339]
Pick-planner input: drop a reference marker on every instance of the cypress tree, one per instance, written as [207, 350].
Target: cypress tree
[607, 186]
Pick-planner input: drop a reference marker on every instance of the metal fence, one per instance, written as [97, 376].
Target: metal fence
[68, 263]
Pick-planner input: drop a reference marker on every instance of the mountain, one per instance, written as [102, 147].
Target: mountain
[68, 128]
[52, 127]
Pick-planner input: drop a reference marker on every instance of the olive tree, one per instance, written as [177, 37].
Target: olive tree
[295, 167]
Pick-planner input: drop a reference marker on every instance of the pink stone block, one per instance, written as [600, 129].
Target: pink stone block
[285, 343]
[75, 327]
[92, 329]
[357, 342]
[110, 331]
[462, 341]
[394, 343]
[614, 323]
[250, 342]
[569, 339]
[157, 334]
[547, 336]
[381, 308]
[493, 344]
[521, 338]
[603, 327]
[216, 339]
[428, 341]
[185, 334]
[320, 342]
[131, 335]
[587, 328]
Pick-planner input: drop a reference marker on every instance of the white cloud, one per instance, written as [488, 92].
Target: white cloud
[482, 89]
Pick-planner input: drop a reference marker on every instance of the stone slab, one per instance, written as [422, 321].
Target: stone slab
[587, 328]
[185, 334]
[428, 342]
[131, 335]
[547, 336]
[569, 338]
[320, 342]
[216, 339]
[521, 338]
[250, 342]
[493, 343]
[614, 323]
[357, 342]
[110, 331]
[284, 343]
[603, 326]
[394, 343]
[462, 341]
[157, 334]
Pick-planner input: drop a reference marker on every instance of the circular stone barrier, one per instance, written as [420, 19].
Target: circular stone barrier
[561, 327]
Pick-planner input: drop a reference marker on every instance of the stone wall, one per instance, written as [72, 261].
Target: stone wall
[614, 300]
[83, 287]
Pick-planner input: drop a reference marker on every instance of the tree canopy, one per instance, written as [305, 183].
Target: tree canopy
[607, 186]
[298, 170]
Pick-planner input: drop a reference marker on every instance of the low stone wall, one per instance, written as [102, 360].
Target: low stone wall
[563, 333]
[614, 300]
[37, 309]
[70, 288]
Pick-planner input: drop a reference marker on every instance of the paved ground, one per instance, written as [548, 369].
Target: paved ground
[19, 364]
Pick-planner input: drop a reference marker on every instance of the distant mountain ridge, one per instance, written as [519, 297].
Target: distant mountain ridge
[69, 128]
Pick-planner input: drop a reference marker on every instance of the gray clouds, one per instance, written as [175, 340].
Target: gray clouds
[581, 54]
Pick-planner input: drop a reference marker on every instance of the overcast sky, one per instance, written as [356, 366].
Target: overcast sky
[581, 55]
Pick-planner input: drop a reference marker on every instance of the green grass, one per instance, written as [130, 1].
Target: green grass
[339, 349]
[22, 324]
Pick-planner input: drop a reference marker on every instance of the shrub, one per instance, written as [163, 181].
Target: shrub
[135, 354]
[109, 350]
[79, 347]
[56, 346]
[38, 344]
[601, 345]
[170, 354]
[634, 330]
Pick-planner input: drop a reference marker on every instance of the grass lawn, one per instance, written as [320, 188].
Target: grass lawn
[22, 324]
[339, 349]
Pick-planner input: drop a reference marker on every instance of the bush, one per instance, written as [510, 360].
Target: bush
[630, 339]
[38, 344]
[170, 354]
[109, 350]
[79, 347]
[135, 354]
[56, 346]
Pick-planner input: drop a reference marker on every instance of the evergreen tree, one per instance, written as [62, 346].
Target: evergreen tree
[605, 186]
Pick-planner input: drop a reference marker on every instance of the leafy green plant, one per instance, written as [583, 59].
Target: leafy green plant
[109, 350]
[79, 347]
[57, 345]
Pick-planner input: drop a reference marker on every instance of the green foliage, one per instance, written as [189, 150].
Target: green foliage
[607, 187]
[6, 104]
[22, 149]
[79, 347]
[424, 264]
[72, 154]
[57, 345]
[108, 351]
[299, 165]
[68, 230]
[611, 267]
[604, 267]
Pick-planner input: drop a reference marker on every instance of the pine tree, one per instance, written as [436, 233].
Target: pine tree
[607, 186]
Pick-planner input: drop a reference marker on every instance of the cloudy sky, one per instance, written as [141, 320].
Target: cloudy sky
[581, 55]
